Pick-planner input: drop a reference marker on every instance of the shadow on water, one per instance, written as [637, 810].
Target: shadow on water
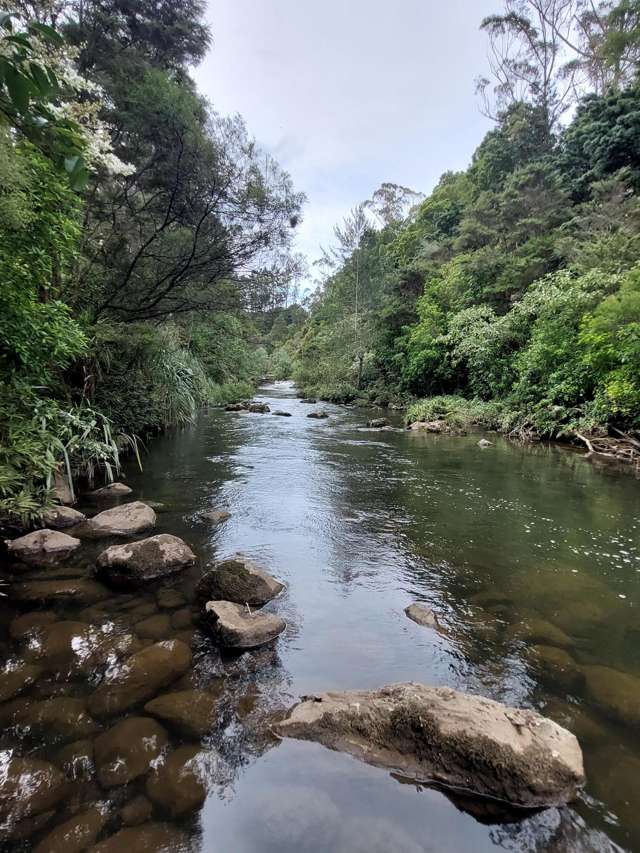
[529, 555]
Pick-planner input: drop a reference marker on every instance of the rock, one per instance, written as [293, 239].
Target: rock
[62, 516]
[16, 677]
[76, 759]
[42, 547]
[155, 627]
[484, 443]
[452, 738]
[617, 694]
[534, 629]
[181, 619]
[282, 414]
[123, 520]
[423, 615]
[318, 415]
[215, 516]
[236, 627]
[240, 580]
[577, 720]
[28, 787]
[311, 400]
[148, 838]
[378, 423]
[259, 408]
[140, 677]
[179, 785]
[136, 811]
[60, 718]
[155, 557]
[61, 489]
[190, 712]
[26, 624]
[126, 750]
[236, 407]
[556, 666]
[74, 591]
[170, 598]
[71, 648]
[113, 490]
[77, 833]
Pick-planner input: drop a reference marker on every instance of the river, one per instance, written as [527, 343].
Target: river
[519, 549]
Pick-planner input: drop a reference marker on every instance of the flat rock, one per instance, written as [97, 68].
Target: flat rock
[148, 838]
[140, 677]
[61, 718]
[155, 627]
[125, 751]
[179, 785]
[124, 520]
[72, 648]
[42, 547]
[318, 415]
[59, 517]
[454, 739]
[76, 834]
[617, 694]
[16, 677]
[423, 615]
[240, 580]
[215, 516]
[28, 787]
[113, 490]
[238, 628]
[81, 591]
[149, 559]
[190, 712]
[27, 623]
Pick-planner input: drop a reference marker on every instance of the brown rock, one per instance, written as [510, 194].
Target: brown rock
[42, 547]
[240, 580]
[62, 718]
[16, 677]
[617, 694]
[136, 811]
[140, 677]
[112, 490]
[215, 516]
[556, 666]
[76, 759]
[155, 627]
[126, 750]
[149, 838]
[75, 647]
[318, 415]
[179, 785]
[28, 787]
[190, 712]
[259, 408]
[59, 517]
[123, 520]
[534, 629]
[136, 562]
[77, 833]
[170, 598]
[423, 615]
[181, 619]
[75, 591]
[26, 624]
[236, 627]
[457, 740]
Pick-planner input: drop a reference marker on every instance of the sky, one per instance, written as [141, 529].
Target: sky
[346, 94]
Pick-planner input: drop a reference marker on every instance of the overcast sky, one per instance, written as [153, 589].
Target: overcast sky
[347, 94]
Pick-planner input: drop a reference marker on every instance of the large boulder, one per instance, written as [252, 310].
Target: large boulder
[42, 547]
[140, 677]
[237, 627]
[146, 560]
[454, 739]
[124, 520]
[28, 787]
[240, 580]
[76, 834]
[179, 785]
[62, 516]
[189, 712]
[126, 750]
[81, 591]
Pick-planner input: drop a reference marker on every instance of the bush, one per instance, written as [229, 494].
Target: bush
[457, 412]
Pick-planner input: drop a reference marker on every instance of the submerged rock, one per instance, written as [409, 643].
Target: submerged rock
[126, 750]
[136, 811]
[42, 547]
[124, 520]
[148, 559]
[377, 423]
[240, 580]
[76, 834]
[441, 735]
[189, 712]
[113, 490]
[556, 666]
[617, 694]
[148, 838]
[27, 623]
[76, 759]
[170, 598]
[215, 516]
[16, 677]
[237, 627]
[318, 415]
[62, 516]
[61, 718]
[535, 629]
[71, 648]
[282, 414]
[423, 615]
[140, 677]
[79, 591]
[28, 787]
[179, 785]
[155, 627]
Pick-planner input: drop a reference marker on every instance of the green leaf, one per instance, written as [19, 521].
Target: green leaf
[19, 88]
[40, 77]
[46, 32]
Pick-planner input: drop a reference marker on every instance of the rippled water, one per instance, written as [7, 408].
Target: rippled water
[520, 550]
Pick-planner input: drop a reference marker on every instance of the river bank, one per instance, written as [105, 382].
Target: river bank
[358, 523]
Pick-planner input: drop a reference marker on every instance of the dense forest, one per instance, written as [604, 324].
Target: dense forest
[145, 240]
[510, 296]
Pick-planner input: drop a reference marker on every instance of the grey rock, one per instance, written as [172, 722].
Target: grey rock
[112, 490]
[237, 627]
[124, 520]
[59, 517]
[240, 580]
[149, 559]
[42, 547]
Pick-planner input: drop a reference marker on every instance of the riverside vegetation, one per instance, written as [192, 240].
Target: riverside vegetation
[509, 296]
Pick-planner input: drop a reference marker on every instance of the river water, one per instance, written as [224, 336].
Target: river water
[521, 551]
